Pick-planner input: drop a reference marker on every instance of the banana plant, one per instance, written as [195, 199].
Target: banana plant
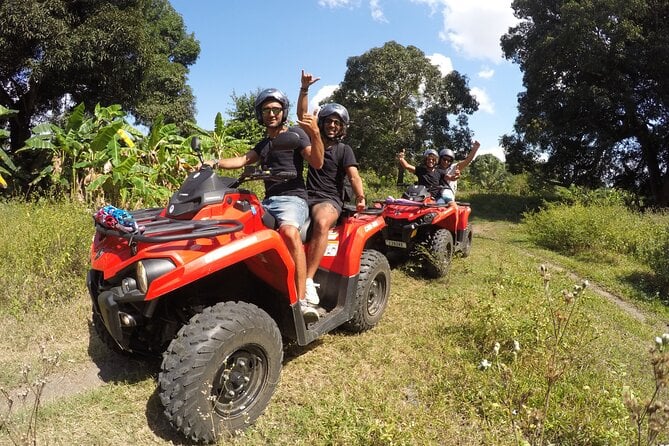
[7, 167]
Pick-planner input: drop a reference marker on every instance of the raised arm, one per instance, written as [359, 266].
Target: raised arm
[470, 156]
[315, 153]
[404, 163]
[303, 98]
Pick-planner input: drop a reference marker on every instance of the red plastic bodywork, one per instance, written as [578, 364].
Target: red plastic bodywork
[261, 249]
[453, 218]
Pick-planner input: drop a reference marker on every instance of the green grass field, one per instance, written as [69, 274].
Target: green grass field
[470, 359]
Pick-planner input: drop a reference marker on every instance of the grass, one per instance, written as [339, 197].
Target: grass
[413, 380]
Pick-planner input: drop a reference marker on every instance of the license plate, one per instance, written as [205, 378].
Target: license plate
[396, 244]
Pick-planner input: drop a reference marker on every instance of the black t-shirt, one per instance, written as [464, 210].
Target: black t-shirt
[327, 183]
[284, 161]
[429, 179]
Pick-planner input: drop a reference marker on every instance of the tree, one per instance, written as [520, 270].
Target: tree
[396, 98]
[488, 173]
[57, 53]
[243, 123]
[596, 100]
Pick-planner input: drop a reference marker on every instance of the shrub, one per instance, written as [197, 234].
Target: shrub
[578, 228]
[655, 254]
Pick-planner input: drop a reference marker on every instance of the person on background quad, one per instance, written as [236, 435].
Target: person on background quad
[429, 175]
[285, 200]
[452, 170]
[325, 185]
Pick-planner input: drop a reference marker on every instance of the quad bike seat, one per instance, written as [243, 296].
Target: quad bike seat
[270, 222]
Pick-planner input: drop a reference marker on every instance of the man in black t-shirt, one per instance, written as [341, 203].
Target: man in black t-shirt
[285, 200]
[427, 173]
[325, 186]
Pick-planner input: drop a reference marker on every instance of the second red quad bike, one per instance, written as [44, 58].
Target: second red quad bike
[208, 283]
[419, 228]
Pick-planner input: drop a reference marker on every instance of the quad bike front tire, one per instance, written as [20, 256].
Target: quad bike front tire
[437, 259]
[219, 373]
[371, 298]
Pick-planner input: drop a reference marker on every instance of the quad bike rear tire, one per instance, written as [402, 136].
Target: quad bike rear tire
[219, 373]
[437, 258]
[371, 297]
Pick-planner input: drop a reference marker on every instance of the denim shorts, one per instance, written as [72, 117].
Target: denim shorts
[287, 209]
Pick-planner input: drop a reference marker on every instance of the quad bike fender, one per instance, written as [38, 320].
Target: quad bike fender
[264, 252]
[463, 216]
[447, 218]
[346, 243]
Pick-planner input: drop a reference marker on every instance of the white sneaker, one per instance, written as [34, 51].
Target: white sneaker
[311, 295]
[309, 313]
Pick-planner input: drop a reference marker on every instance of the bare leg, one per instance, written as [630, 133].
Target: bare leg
[291, 236]
[323, 216]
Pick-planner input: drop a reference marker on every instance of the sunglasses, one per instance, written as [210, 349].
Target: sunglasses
[447, 158]
[335, 122]
[274, 111]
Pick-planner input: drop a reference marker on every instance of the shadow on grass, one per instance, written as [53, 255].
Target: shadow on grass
[117, 367]
[158, 423]
[650, 285]
[500, 207]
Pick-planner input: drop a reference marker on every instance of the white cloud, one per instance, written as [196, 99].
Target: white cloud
[485, 104]
[322, 93]
[486, 73]
[474, 27]
[377, 12]
[336, 3]
[442, 62]
[374, 6]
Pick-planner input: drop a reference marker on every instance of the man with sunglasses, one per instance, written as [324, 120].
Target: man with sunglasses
[452, 170]
[286, 201]
[325, 186]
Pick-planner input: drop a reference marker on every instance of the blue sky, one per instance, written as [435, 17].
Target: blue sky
[250, 44]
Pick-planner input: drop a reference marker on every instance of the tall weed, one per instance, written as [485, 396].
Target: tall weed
[44, 249]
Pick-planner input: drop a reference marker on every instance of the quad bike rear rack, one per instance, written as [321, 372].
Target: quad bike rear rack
[158, 229]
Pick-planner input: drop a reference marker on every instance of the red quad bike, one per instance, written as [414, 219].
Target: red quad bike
[419, 228]
[208, 283]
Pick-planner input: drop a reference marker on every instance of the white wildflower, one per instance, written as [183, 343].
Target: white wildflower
[516, 346]
[496, 348]
[485, 364]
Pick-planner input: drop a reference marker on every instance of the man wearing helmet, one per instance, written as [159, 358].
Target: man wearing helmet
[285, 200]
[428, 174]
[325, 186]
[452, 169]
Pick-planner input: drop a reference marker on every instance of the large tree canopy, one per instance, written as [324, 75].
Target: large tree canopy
[597, 97]
[57, 53]
[397, 99]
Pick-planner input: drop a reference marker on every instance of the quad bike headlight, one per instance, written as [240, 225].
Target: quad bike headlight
[150, 269]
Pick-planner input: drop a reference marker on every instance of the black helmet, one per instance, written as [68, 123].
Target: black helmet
[447, 152]
[272, 94]
[333, 109]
